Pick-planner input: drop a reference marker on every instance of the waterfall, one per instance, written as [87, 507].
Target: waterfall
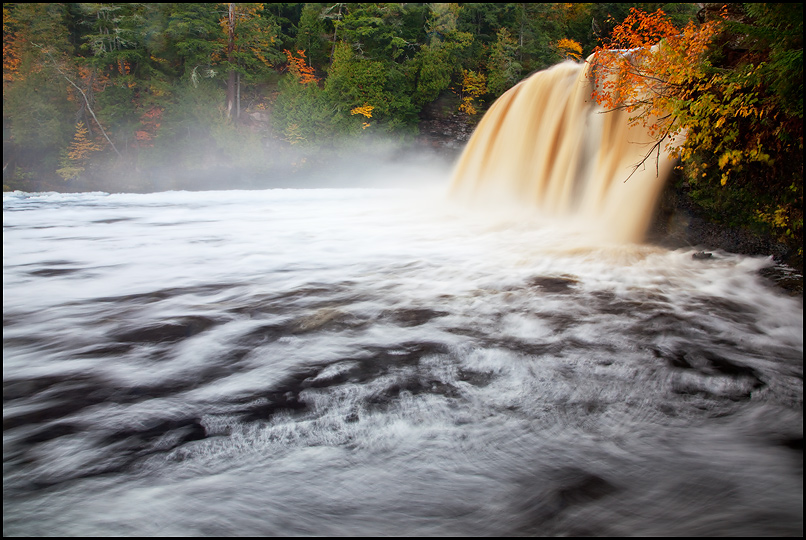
[545, 144]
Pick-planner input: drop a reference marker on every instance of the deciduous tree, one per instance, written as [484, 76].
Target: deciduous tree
[711, 85]
[78, 154]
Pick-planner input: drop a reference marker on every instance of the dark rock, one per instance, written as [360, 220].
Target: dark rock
[679, 223]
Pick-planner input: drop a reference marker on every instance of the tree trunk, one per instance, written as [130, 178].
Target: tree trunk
[230, 93]
[231, 82]
[335, 31]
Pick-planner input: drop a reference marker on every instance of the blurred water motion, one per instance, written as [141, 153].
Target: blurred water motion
[378, 362]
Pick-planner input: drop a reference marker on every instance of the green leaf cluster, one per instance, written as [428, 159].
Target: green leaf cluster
[744, 149]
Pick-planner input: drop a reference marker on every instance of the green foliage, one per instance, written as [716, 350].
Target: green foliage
[37, 114]
[256, 45]
[433, 73]
[301, 112]
[746, 123]
[775, 37]
[310, 36]
[503, 67]
[731, 89]
[376, 30]
[191, 34]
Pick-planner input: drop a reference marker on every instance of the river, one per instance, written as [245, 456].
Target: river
[338, 362]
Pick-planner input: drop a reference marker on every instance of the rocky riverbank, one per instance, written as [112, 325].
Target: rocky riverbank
[678, 222]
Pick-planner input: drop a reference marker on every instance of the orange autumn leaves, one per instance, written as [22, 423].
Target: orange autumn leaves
[298, 67]
[662, 77]
[647, 62]
[150, 122]
[659, 74]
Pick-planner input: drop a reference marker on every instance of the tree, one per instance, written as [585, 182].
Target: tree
[355, 81]
[649, 68]
[299, 68]
[311, 35]
[570, 48]
[439, 59]
[78, 154]
[249, 48]
[731, 89]
[300, 112]
[192, 32]
[38, 120]
[375, 31]
[503, 67]
[474, 85]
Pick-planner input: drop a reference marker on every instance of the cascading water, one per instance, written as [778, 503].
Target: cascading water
[546, 144]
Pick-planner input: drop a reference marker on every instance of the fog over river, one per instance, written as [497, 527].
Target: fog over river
[384, 362]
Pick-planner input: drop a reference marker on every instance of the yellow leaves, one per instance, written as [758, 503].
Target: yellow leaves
[365, 110]
[731, 157]
[466, 106]
[293, 134]
[81, 147]
[474, 85]
[570, 48]
[78, 153]
[304, 73]
[735, 160]
[660, 72]
[779, 217]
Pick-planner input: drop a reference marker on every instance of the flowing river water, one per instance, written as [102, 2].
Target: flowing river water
[384, 362]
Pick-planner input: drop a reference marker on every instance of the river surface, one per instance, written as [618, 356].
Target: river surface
[382, 362]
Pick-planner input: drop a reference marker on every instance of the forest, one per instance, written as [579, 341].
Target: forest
[217, 96]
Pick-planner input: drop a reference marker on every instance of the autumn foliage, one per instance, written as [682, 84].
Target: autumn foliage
[150, 122]
[474, 85]
[730, 92]
[78, 154]
[648, 66]
[298, 67]
[570, 48]
[725, 122]
[364, 110]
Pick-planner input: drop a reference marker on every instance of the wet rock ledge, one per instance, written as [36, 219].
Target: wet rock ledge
[679, 223]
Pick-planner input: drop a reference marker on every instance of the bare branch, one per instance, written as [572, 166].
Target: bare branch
[655, 148]
[83, 94]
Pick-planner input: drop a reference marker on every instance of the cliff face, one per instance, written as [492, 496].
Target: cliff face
[446, 135]
[443, 129]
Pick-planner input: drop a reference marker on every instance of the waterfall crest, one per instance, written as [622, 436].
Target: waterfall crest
[546, 144]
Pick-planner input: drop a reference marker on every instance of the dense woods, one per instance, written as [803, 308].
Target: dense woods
[151, 94]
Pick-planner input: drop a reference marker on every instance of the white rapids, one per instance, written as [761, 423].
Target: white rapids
[383, 362]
